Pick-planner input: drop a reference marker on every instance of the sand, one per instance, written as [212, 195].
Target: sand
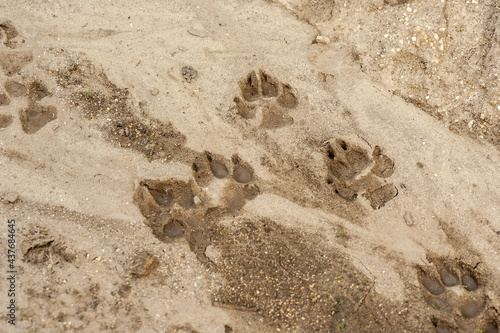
[250, 166]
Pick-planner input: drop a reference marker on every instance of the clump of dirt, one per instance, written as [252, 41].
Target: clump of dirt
[143, 264]
[41, 248]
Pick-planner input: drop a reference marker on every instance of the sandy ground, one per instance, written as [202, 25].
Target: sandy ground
[250, 166]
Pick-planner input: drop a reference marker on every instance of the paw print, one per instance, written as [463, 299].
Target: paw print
[240, 186]
[456, 298]
[266, 99]
[8, 34]
[351, 172]
[176, 209]
[36, 115]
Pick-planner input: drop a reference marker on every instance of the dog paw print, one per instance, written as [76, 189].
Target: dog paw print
[239, 187]
[36, 115]
[177, 209]
[352, 172]
[456, 298]
[172, 210]
[265, 100]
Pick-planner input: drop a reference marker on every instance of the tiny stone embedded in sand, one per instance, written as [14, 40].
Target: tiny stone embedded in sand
[409, 219]
[213, 253]
[322, 40]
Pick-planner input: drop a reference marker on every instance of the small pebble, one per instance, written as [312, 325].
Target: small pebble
[409, 219]
[189, 73]
[154, 91]
[322, 40]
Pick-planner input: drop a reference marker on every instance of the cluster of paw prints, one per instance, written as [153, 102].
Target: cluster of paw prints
[351, 172]
[456, 299]
[176, 209]
[266, 99]
[35, 116]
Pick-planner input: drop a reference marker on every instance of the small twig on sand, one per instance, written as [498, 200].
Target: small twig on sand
[234, 307]
[362, 300]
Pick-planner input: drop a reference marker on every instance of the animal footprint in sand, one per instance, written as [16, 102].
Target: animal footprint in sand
[456, 298]
[351, 171]
[12, 61]
[265, 97]
[176, 209]
[34, 116]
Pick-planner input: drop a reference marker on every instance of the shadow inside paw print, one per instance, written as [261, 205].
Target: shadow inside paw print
[456, 297]
[351, 171]
[265, 93]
